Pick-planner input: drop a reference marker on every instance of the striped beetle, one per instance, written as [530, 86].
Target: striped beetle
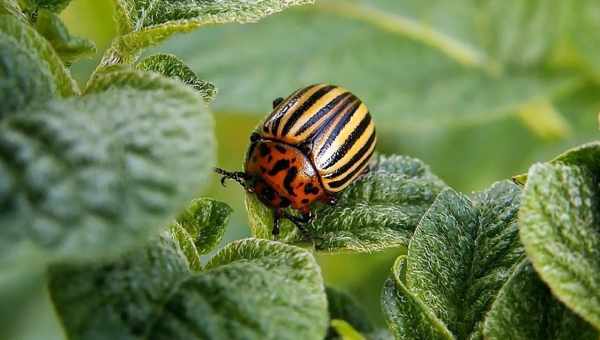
[314, 143]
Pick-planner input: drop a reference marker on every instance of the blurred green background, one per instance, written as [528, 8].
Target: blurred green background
[477, 90]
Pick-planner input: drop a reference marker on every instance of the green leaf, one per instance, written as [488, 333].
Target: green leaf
[33, 6]
[343, 307]
[406, 315]
[200, 228]
[172, 67]
[409, 73]
[525, 309]
[345, 330]
[378, 211]
[144, 23]
[461, 253]
[92, 176]
[12, 7]
[254, 289]
[560, 220]
[40, 61]
[68, 47]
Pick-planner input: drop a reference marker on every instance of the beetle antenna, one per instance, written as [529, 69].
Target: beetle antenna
[237, 176]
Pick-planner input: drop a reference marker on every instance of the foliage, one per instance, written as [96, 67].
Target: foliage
[94, 184]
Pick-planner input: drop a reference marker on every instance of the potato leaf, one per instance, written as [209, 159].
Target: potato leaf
[144, 23]
[409, 72]
[200, 228]
[69, 48]
[378, 211]
[560, 221]
[21, 42]
[251, 289]
[172, 67]
[32, 6]
[526, 310]
[343, 307]
[460, 255]
[95, 175]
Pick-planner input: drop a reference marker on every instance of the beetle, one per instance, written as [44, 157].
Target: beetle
[314, 144]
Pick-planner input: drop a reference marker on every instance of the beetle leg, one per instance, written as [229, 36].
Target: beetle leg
[237, 176]
[276, 223]
[277, 101]
[300, 222]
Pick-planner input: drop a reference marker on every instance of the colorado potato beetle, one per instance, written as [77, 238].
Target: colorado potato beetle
[313, 144]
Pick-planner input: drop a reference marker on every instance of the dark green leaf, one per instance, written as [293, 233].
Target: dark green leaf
[409, 73]
[461, 253]
[21, 43]
[92, 176]
[68, 47]
[172, 67]
[33, 6]
[378, 211]
[343, 307]
[253, 289]
[526, 310]
[560, 221]
[200, 228]
[143, 23]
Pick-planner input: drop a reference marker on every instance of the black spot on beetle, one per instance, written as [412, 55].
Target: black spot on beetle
[264, 150]
[310, 189]
[284, 202]
[280, 165]
[305, 200]
[268, 193]
[289, 178]
[280, 149]
[263, 169]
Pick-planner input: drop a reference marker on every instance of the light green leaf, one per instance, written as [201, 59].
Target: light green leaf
[200, 228]
[343, 307]
[12, 7]
[94, 175]
[68, 47]
[378, 211]
[172, 67]
[345, 330]
[559, 228]
[409, 74]
[526, 310]
[461, 253]
[253, 289]
[406, 315]
[144, 23]
[16, 35]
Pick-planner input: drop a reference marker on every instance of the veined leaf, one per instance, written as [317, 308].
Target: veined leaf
[379, 210]
[460, 255]
[409, 74]
[68, 47]
[526, 310]
[254, 289]
[143, 23]
[15, 32]
[94, 175]
[560, 221]
[200, 228]
[172, 67]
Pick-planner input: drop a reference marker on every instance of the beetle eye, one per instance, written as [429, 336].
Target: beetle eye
[277, 101]
[254, 137]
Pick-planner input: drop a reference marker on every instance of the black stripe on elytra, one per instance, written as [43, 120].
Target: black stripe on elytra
[280, 165]
[323, 111]
[348, 143]
[285, 108]
[339, 127]
[289, 178]
[305, 107]
[341, 182]
[357, 156]
[340, 109]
